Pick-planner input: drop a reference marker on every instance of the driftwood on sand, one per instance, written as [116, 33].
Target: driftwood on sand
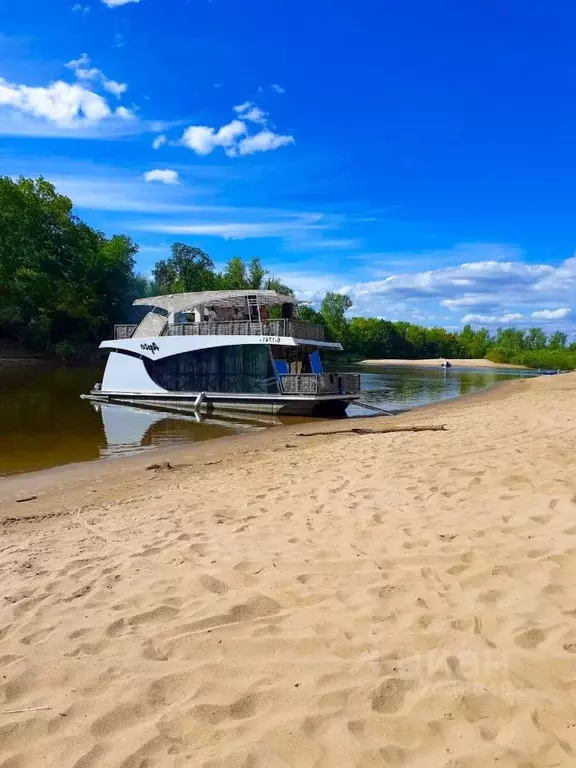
[366, 431]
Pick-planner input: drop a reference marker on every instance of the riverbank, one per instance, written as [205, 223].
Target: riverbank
[13, 355]
[436, 362]
[274, 599]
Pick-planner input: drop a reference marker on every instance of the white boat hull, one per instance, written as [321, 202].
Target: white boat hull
[297, 405]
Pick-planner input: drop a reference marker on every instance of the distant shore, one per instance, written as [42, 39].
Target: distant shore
[435, 363]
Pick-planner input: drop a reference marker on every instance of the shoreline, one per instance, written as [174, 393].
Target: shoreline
[95, 470]
[276, 598]
[435, 363]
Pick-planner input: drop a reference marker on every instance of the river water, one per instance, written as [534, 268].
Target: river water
[44, 423]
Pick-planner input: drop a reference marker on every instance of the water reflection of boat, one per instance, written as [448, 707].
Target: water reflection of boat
[130, 429]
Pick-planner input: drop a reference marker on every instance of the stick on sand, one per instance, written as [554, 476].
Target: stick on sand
[363, 431]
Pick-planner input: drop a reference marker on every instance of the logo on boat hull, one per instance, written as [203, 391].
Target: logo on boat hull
[150, 347]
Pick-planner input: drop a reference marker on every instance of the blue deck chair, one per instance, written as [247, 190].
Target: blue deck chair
[315, 362]
[281, 367]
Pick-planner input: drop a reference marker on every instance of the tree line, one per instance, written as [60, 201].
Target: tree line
[62, 283]
[376, 338]
[63, 286]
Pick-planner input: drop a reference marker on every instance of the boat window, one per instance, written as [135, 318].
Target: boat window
[239, 368]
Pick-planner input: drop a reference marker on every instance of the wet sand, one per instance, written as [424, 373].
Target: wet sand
[435, 363]
[274, 600]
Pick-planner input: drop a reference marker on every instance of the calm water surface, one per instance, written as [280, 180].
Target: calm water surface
[44, 423]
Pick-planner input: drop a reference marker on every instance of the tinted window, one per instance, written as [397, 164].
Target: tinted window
[219, 369]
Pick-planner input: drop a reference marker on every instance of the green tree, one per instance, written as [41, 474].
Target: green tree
[310, 315]
[510, 342]
[256, 274]
[60, 280]
[274, 284]
[441, 343]
[535, 338]
[474, 344]
[188, 269]
[557, 340]
[371, 337]
[234, 278]
[333, 310]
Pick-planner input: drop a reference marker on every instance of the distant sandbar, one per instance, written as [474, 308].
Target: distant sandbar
[435, 363]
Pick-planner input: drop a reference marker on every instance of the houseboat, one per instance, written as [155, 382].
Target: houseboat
[224, 351]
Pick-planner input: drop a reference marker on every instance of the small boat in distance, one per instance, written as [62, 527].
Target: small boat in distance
[227, 350]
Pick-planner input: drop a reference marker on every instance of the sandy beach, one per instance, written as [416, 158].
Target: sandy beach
[435, 363]
[278, 600]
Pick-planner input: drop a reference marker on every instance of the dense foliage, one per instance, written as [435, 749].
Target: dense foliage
[189, 269]
[63, 285]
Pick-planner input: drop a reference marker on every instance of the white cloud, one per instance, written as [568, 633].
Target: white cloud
[467, 279]
[309, 286]
[81, 67]
[551, 314]
[75, 110]
[274, 87]
[388, 263]
[203, 139]
[81, 8]
[117, 3]
[119, 41]
[158, 141]
[112, 86]
[13, 123]
[234, 137]
[469, 300]
[125, 114]
[114, 191]
[228, 230]
[83, 71]
[239, 108]
[251, 112]
[265, 141]
[164, 176]
[101, 188]
[488, 288]
[60, 102]
[507, 317]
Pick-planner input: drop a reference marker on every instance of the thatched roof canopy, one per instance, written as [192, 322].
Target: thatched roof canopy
[186, 302]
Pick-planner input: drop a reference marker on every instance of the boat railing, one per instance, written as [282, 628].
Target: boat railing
[268, 328]
[320, 383]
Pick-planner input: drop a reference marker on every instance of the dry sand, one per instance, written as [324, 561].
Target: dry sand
[435, 362]
[357, 601]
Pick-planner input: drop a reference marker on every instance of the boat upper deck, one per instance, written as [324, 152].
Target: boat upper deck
[222, 313]
[269, 328]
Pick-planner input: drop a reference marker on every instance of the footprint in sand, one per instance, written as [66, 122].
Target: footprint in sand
[389, 696]
[213, 585]
[530, 638]
[161, 613]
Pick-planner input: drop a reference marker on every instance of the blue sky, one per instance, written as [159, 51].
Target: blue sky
[418, 155]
